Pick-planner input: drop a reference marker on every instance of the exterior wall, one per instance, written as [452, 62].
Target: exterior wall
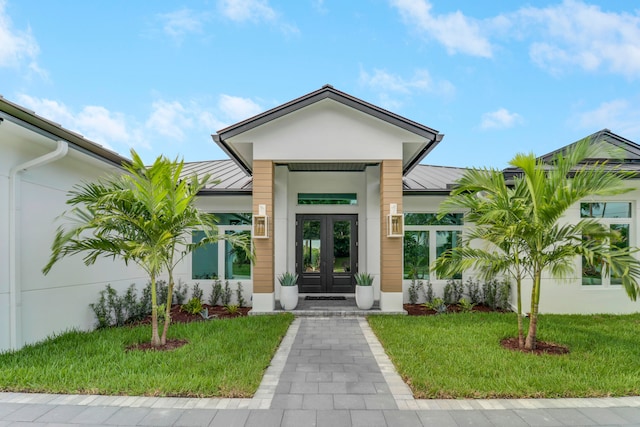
[263, 274]
[557, 296]
[60, 300]
[325, 131]
[390, 247]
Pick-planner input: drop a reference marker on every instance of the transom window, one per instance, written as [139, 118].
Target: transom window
[426, 237]
[327, 199]
[618, 216]
[222, 260]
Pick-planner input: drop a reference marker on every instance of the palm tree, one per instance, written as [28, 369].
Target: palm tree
[144, 216]
[520, 221]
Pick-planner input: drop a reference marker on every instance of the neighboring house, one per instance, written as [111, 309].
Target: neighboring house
[322, 183]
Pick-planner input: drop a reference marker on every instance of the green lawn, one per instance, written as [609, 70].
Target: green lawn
[459, 355]
[224, 358]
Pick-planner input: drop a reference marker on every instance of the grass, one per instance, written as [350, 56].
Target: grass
[224, 358]
[459, 355]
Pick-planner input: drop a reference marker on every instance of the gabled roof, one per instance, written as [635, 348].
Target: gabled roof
[630, 150]
[29, 119]
[629, 159]
[328, 92]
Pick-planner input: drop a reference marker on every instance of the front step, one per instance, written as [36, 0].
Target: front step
[333, 308]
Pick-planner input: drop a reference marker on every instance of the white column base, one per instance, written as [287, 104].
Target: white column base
[264, 303]
[391, 302]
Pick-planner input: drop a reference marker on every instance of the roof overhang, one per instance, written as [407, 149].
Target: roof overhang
[413, 152]
[29, 120]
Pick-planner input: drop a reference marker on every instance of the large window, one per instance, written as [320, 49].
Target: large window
[617, 215]
[426, 237]
[222, 260]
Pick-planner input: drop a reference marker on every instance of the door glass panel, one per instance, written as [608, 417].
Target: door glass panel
[236, 262]
[342, 246]
[311, 246]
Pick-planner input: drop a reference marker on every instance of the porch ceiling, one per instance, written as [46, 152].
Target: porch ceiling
[326, 166]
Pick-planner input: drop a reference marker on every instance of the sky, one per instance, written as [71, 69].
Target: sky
[495, 77]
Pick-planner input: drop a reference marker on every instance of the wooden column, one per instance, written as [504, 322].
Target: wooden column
[390, 247]
[263, 272]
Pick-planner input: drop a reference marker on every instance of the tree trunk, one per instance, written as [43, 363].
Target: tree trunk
[155, 338]
[519, 305]
[530, 343]
[167, 315]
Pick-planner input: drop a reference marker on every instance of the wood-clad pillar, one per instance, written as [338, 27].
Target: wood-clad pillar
[390, 247]
[263, 270]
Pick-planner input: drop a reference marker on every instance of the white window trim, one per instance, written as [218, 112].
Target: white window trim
[222, 272]
[606, 278]
[432, 240]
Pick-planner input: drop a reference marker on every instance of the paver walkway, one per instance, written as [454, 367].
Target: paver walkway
[327, 372]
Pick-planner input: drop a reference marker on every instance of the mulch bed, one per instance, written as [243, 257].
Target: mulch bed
[421, 310]
[215, 312]
[542, 347]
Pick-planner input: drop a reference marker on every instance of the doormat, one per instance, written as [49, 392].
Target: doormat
[321, 298]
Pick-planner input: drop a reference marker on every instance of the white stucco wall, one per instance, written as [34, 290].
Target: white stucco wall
[325, 131]
[60, 300]
[557, 296]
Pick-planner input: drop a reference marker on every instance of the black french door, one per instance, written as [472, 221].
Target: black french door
[326, 252]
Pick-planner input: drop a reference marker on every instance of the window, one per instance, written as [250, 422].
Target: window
[327, 199]
[222, 260]
[617, 215]
[426, 237]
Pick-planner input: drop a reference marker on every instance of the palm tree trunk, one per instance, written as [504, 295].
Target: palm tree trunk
[155, 338]
[167, 315]
[530, 343]
[519, 305]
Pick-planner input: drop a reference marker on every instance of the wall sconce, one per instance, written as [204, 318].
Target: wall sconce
[395, 222]
[261, 223]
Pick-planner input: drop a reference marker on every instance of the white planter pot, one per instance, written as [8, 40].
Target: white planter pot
[288, 297]
[364, 297]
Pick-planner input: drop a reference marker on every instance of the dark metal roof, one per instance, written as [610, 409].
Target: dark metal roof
[431, 179]
[226, 176]
[328, 92]
[28, 118]
[629, 159]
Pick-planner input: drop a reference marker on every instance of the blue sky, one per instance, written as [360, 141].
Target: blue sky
[495, 77]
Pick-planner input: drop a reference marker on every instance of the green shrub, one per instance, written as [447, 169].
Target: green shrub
[226, 294]
[216, 293]
[194, 306]
[239, 297]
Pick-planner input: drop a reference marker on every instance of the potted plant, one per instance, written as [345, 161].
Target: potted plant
[364, 291]
[288, 290]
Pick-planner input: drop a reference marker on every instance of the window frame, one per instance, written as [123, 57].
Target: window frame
[432, 233]
[222, 249]
[605, 279]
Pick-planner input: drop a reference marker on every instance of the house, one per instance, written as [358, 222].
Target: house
[327, 185]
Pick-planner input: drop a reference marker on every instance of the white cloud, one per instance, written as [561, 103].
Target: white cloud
[500, 119]
[620, 115]
[96, 123]
[254, 11]
[576, 34]
[236, 108]
[390, 86]
[169, 119]
[455, 31]
[181, 22]
[16, 47]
